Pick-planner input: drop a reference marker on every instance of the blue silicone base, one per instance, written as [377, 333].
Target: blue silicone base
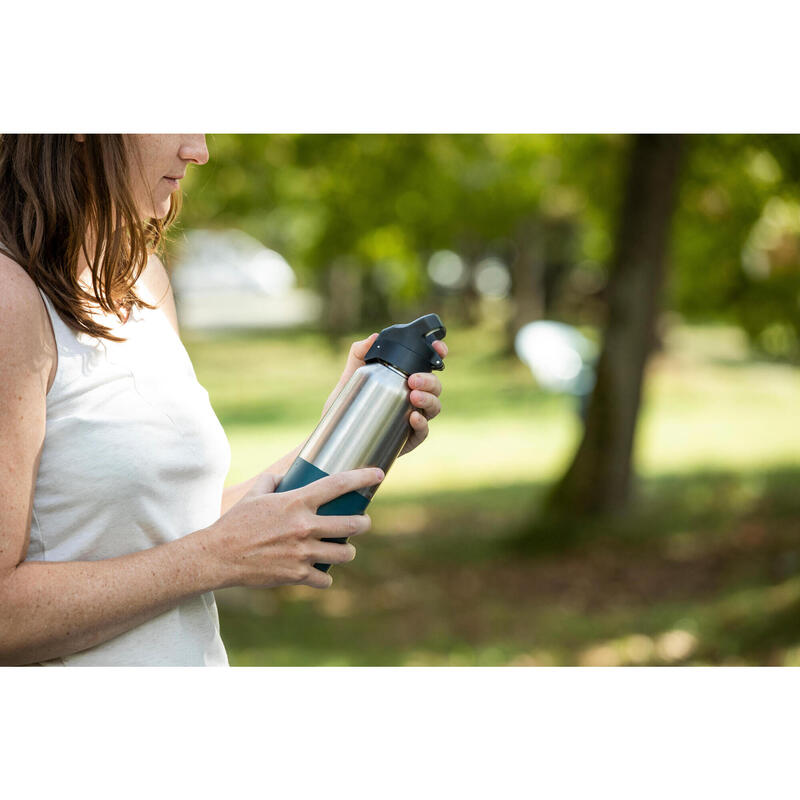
[301, 473]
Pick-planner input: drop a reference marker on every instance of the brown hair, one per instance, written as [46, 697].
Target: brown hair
[58, 197]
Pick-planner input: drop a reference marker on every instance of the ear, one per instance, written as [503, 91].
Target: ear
[80, 137]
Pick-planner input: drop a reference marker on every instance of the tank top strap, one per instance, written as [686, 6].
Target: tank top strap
[61, 331]
[75, 350]
[48, 304]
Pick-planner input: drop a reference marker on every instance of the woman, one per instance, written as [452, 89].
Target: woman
[114, 526]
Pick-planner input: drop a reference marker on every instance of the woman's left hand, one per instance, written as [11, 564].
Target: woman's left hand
[426, 389]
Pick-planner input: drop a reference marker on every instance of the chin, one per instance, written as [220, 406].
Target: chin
[162, 210]
[158, 210]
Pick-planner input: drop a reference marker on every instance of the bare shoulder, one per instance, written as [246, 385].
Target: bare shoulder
[154, 286]
[26, 335]
[13, 278]
[27, 356]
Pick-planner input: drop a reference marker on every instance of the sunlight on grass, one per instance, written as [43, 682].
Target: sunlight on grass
[458, 454]
[698, 412]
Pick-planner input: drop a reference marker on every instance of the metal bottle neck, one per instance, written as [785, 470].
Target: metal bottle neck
[393, 368]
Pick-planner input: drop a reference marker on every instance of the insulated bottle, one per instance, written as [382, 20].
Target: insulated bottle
[368, 422]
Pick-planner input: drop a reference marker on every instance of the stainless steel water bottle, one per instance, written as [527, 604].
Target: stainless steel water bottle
[368, 422]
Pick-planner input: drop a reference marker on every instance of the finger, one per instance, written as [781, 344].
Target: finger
[426, 382]
[440, 347]
[419, 422]
[265, 483]
[321, 491]
[317, 578]
[332, 553]
[428, 403]
[419, 433]
[359, 349]
[352, 525]
[420, 425]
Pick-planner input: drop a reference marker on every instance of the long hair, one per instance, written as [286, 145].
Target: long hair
[60, 198]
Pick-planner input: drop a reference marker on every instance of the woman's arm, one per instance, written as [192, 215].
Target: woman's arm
[52, 609]
[58, 608]
[233, 494]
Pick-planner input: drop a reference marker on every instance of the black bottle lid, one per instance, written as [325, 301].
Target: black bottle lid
[409, 347]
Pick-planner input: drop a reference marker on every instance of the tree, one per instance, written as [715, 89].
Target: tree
[737, 238]
[599, 477]
[358, 216]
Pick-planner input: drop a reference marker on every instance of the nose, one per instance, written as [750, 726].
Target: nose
[193, 148]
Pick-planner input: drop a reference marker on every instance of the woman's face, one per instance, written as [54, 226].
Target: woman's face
[161, 164]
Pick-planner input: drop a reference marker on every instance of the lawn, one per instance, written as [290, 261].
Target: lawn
[705, 569]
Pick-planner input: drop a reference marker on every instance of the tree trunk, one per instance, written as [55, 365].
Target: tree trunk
[599, 477]
[560, 240]
[343, 298]
[526, 279]
[544, 257]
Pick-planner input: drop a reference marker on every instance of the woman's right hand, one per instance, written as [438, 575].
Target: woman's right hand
[269, 539]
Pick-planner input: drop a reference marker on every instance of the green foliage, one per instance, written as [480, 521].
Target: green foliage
[736, 249]
[379, 205]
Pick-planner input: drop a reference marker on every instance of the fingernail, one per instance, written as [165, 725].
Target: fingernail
[379, 474]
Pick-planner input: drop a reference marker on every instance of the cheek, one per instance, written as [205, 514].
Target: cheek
[155, 154]
[156, 157]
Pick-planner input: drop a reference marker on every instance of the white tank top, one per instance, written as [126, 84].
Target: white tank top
[133, 456]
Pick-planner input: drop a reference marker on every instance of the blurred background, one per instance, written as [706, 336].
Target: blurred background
[614, 476]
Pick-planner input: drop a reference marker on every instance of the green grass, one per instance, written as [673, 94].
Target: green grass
[704, 569]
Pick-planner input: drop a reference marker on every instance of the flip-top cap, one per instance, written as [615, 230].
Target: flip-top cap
[409, 347]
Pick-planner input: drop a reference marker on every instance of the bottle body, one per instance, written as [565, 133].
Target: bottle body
[366, 426]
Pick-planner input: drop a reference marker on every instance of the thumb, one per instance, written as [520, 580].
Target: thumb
[359, 349]
[265, 483]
